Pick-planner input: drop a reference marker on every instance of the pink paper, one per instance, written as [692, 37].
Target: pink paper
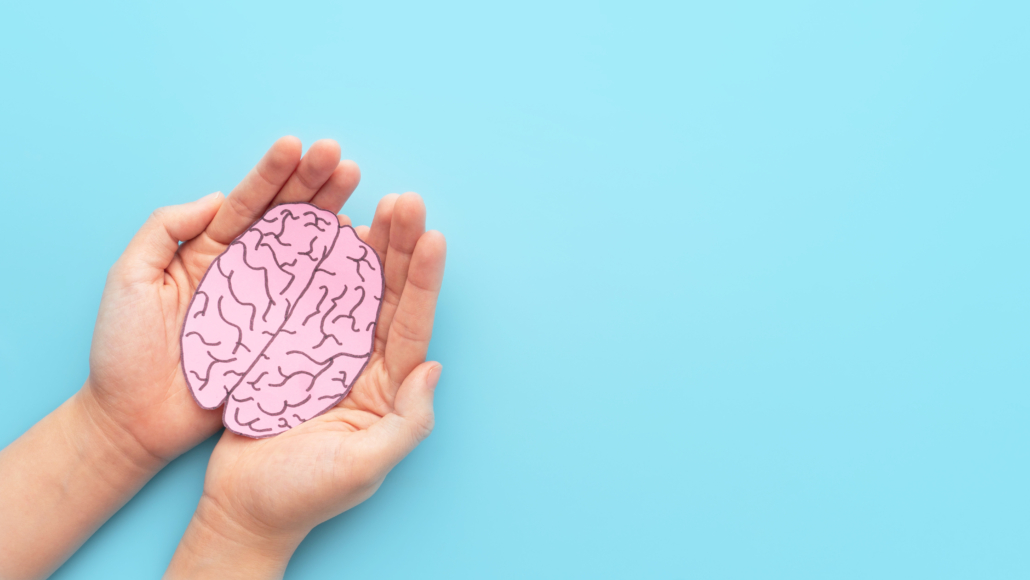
[283, 322]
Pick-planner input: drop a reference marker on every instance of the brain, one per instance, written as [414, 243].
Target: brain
[283, 322]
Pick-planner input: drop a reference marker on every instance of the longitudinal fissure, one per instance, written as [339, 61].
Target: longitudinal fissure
[291, 347]
[286, 318]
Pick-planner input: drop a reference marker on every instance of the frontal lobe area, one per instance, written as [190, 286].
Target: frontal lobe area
[248, 294]
[325, 343]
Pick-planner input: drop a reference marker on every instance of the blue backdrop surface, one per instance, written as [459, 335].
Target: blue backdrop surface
[734, 290]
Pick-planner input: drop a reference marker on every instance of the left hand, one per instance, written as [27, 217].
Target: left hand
[135, 381]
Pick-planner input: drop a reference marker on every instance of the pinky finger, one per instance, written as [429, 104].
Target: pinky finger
[411, 327]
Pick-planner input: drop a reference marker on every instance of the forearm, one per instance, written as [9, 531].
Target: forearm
[215, 546]
[62, 480]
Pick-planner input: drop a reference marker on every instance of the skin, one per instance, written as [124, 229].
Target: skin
[75, 468]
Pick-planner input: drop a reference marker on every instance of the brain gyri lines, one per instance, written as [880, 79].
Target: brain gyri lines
[283, 322]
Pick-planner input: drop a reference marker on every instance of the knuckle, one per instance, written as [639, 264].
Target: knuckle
[361, 470]
[242, 208]
[405, 330]
[159, 215]
[365, 474]
[424, 426]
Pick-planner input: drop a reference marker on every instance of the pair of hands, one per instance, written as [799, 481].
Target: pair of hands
[269, 492]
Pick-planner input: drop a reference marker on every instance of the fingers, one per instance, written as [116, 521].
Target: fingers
[415, 398]
[379, 233]
[362, 231]
[398, 433]
[335, 192]
[412, 324]
[251, 197]
[406, 227]
[311, 174]
[153, 247]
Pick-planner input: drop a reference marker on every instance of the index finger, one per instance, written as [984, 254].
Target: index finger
[249, 200]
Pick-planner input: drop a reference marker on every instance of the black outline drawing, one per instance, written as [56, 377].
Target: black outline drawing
[286, 216]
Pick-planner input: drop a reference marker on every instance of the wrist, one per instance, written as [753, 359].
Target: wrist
[61, 480]
[108, 437]
[217, 544]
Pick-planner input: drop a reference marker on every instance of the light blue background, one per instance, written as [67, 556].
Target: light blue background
[735, 290]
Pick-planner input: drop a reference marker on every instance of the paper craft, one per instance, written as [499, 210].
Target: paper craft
[283, 322]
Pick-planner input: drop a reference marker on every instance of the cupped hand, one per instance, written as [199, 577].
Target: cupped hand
[135, 376]
[286, 484]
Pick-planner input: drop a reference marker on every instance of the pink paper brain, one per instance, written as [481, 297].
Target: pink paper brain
[283, 322]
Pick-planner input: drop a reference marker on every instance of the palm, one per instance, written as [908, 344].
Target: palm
[292, 478]
[337, 459]
[134, 362]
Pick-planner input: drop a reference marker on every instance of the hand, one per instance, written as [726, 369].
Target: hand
[135, 379]
[262, 496]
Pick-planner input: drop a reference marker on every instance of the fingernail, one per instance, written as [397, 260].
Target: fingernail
[211, 196]
[434, 376]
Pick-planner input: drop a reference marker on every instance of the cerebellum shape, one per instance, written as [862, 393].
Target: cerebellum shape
[283, 322]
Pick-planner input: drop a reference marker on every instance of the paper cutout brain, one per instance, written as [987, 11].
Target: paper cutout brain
[283, 322]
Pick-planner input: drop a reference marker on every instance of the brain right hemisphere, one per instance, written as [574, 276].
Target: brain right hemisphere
[283, 322]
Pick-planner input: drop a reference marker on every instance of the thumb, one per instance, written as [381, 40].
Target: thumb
[154, 245]
[398, 433]
[414, 400]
